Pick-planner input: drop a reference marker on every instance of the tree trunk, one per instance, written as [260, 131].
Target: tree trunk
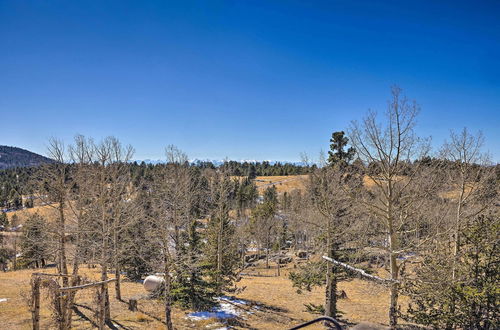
[118, 292]
[219, 253]
[14, 260]
[279, 257]
[267, 250]
[108, 305]
[168, 299]
[331, 278]
[102, 307]
[104, 277]
[456, 239]
[75, 280]
[393, 309]
[331, 293]
[62, 243]
[64, 300]
[393, 246]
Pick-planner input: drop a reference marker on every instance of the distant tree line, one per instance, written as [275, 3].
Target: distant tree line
[15, 183]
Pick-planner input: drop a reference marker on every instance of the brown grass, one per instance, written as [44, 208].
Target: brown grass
[366, 302]
[282, 183]
[46, 211]
[280, 306]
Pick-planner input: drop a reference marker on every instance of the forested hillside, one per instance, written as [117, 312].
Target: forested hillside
[11, 157]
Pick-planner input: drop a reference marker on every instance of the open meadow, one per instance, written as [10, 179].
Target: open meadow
[265, 301]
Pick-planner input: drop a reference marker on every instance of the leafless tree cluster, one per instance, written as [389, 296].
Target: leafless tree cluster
[397, 201]
[174, 222]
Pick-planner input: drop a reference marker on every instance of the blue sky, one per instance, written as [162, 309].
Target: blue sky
[242, 79]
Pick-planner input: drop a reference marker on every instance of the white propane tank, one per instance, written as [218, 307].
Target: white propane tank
[153, 283]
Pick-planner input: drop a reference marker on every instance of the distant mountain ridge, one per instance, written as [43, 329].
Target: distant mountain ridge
[11, 157]
[218, 162]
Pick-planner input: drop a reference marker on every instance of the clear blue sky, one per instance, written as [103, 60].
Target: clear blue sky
[242, 79]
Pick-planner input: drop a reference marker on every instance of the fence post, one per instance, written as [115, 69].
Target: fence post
[102, 306]
[35, 308]
[58, 307]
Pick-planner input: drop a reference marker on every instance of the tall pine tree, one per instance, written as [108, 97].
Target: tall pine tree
[221, 253]
[337, 154]
[190, 288]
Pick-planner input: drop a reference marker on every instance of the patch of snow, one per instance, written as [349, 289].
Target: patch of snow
[225, 310]
[233, 300]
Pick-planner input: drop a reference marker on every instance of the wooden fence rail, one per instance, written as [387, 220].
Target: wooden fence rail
[86, 286]
[52, 274]
[61, 295]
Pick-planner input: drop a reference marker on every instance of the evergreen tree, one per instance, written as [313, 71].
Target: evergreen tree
[221, 254]
[246, 195]
[271, 197]
[337, 154]
[136, 257]
[15, 199]
[190, 288]
[471, 300]
[252, 172]
[34, 243]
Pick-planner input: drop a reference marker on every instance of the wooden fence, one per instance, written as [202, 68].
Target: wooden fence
[61, 296]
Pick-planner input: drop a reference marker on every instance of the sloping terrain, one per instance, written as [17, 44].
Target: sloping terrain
[11, 157]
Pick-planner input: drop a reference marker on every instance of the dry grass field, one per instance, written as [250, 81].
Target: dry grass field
[46, 211]
[271, 303]
[283, 183]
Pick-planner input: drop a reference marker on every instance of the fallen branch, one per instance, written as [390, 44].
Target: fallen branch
[361, 272]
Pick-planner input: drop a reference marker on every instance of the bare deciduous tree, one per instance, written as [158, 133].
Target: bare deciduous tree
[470, 180]
[174, 198]
[387, 151]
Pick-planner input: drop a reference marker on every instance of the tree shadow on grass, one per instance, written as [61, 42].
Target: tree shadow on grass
[83, 316]
[112, 324]
[144, 311]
